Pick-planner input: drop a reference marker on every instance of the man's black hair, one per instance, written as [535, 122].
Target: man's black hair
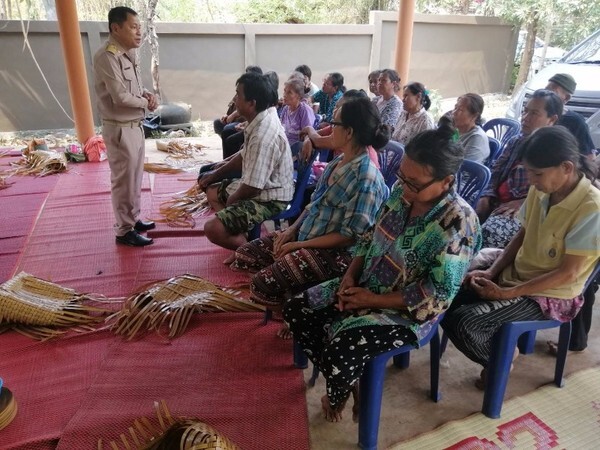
[118, 15]
[258, 88]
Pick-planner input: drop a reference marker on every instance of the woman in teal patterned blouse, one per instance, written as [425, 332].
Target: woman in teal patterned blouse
[405, 272]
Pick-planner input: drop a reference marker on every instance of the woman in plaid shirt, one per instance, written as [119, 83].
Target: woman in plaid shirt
[317, 246]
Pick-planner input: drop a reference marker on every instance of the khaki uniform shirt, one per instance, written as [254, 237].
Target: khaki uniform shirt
[118, 84]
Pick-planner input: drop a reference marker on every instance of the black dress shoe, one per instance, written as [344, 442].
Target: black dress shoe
[144, 226]
[134, 239]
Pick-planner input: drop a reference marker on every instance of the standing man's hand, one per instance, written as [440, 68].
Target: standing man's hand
[152, 101]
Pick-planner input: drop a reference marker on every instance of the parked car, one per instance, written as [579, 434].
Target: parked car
[553, 54]
[583, 63]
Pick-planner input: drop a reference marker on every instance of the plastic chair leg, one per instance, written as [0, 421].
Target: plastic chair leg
[498, 371]
[402, 361]
[444, 344]
[267, 316]
[563, 346]
[434, 367]
[314, 376]
[300, 359]
[527, 342]
[371, 390]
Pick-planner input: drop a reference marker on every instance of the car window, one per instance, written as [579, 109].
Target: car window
[588, 51]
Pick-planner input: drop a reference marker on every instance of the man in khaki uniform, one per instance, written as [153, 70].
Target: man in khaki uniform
[121, 102]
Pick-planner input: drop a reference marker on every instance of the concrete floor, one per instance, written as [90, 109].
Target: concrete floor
[407, 411]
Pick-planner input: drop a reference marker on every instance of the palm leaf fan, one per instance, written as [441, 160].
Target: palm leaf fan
[182, 209]
[169, 306]
[41, 309]
[169, 433]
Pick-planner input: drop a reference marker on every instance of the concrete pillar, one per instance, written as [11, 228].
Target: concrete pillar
[70, 38]
[406, 14]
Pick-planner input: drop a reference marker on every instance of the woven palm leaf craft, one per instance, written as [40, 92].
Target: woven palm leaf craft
[180, 149]
[169, 433]
[40, 163]
[167, 307]
[8, 406]
[3, 183]
[182, 209]
[41, 309]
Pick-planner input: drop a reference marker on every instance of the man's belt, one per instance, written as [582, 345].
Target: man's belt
[116, 123]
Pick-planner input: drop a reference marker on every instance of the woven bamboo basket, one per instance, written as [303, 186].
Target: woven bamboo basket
[8, 407]
[41, 309]
[169, 306]
[168, 433]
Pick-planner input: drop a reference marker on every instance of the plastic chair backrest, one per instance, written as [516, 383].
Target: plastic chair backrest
[390, 158]
[494, 151]
[471, 180]
[502, 129]
[303, 176]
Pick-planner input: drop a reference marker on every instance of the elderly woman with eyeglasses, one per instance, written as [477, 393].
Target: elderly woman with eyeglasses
[404, 274]
[316, 247]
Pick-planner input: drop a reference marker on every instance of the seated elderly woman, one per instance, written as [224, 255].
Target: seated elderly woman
[541, 273]
[508, 187]
[414, 118]
[405, 272]
[296, 114]
[388, 103]
[467, 120]
[317, 246]
[332, 90]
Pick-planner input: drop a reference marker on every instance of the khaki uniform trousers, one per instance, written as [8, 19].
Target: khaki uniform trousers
[125, 150]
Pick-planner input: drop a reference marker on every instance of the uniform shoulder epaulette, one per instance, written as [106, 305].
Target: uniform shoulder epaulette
[112, 48]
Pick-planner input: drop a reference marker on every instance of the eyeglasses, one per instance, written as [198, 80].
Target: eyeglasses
[413, 187]
[336, 124]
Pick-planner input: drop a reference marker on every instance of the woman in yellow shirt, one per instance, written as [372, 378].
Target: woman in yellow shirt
[541, 273]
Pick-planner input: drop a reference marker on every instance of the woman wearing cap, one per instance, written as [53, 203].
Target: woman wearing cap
[414, 118]
[500, 201]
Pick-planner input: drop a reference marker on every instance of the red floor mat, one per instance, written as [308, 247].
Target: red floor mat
[20, 207]
[49, 381]
[227, 370]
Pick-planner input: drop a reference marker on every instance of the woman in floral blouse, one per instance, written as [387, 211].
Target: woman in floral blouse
[388, 103]
[405, 272]
[415, 117]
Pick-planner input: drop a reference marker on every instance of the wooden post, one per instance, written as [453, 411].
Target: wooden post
[406, 15]
[70, 38]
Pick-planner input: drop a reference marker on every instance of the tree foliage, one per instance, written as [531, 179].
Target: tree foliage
[309, 11]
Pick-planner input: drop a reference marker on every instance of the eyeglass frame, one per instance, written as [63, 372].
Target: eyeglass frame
[412, 186]
[337, 124]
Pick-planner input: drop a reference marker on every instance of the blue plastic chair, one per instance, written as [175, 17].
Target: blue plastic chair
[502, 129]
[295, 207]
[503, 346]
[494, 151]
[471, 180]
[371, 382]
[519, 334]
[390, 158]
